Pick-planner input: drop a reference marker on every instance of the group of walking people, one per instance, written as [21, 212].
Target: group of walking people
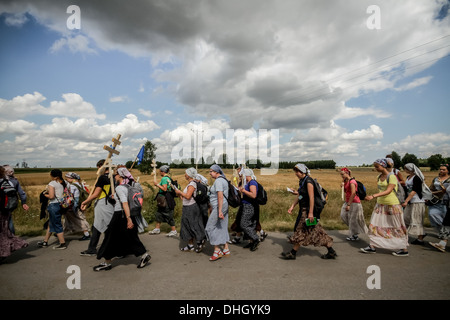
[400, 209]
[399, 212]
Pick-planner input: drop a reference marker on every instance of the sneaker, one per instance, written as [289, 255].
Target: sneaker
[88, 253]
[368, 249]
[400, 253]
[352, 238]
[155, 231]
[61, 246]
[103, 266]
[84, 238]
[264, 236]
[172, 233]
[437, 246]
[144, 260]
[288, 255]
[42, 244]
[255, 245]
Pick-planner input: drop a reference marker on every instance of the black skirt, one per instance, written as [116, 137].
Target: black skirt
[120, 241]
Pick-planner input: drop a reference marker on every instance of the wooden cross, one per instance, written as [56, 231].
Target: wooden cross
[154, 169]
[108, 164]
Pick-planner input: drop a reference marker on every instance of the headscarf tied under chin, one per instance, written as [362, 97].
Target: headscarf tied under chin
[302, 168]
[218, 169]
[382, 162]
[413, 168]
[125, 174]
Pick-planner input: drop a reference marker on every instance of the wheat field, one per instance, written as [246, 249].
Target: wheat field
[273, 215]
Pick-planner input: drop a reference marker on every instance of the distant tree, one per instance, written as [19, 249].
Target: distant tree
[128, 164]
[410, 158]
[149, 155]
[435, 161]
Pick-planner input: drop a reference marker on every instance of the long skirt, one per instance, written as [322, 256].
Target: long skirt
[414, 214]
[120, 241]
[217, 229]
[192, 224]
[8, 241]
[75, 221]
[312, 235]
[354, 218]
[387, 227]
[248, 222]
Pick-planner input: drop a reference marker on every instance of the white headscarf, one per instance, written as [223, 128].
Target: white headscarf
[413, 168]
[302, 168]
[201, 178]
[248, 172]
[191, 172]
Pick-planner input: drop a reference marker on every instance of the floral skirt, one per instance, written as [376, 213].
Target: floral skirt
[387, 227]
[313, 235]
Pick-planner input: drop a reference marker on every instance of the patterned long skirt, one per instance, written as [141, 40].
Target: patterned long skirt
[313, 235]
[387, 227]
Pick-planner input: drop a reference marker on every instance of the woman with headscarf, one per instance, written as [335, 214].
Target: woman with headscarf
[9, 172]
[387, 227]
[192, 228]
[164, 213]
[75, 221]
[414, 204]
[438, 210]
[352, 213]
[217, 225]
[8, 241]
[121, 237]
[304, 234]
[250, 209]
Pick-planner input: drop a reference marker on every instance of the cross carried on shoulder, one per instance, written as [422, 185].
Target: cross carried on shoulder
[108, 163]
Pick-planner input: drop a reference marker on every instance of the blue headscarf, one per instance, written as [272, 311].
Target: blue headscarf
[382, 162]
[218, 169]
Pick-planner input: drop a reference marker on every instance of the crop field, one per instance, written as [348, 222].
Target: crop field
[273, 215]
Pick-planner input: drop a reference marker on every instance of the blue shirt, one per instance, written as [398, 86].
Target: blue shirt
[245, 198]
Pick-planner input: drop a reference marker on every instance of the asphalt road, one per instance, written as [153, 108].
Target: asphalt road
[44, 273]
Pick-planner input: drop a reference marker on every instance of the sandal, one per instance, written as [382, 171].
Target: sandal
[226, 253]
[199, 248]
[216, 255]
[188, 248]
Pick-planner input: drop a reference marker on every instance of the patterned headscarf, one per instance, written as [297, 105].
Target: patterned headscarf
[72, 175]
[9, 171]
[125, 174]
[382, 162]
[302, 168]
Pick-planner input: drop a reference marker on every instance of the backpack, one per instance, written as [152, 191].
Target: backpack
[234, 200]
[84, 194]
[320, 198]
[261, 197]
[67, 198]
[361, 191]
[9, 199]
[135, 198]
[202, 193]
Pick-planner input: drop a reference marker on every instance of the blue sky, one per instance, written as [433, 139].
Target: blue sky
[314, 72]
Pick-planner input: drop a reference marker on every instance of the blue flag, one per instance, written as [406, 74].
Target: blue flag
[140, 155]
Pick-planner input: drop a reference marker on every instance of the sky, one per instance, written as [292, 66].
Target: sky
[348, 80]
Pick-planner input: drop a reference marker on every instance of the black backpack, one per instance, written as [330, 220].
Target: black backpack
[9, 199]
[261, 197]
[202, 193]
[234, 200]
[361, 191]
